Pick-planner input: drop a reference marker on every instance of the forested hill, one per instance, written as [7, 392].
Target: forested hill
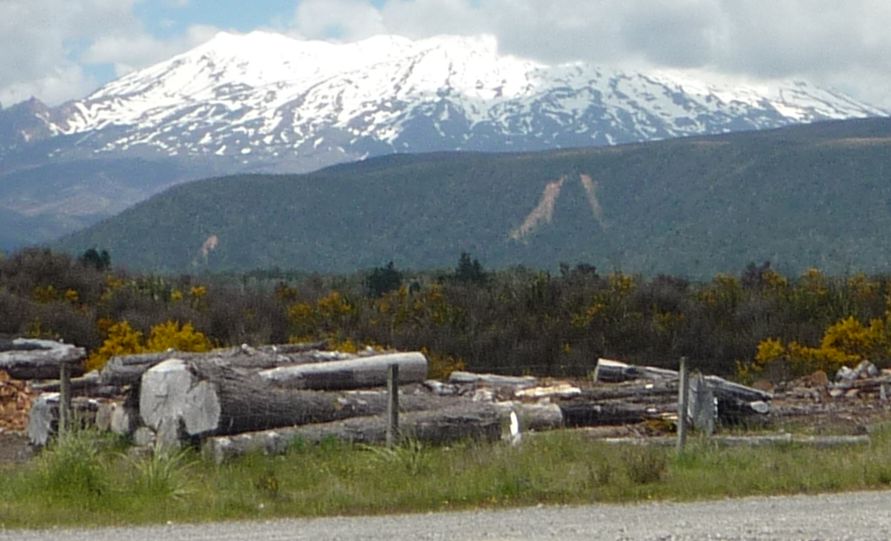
[816, 195]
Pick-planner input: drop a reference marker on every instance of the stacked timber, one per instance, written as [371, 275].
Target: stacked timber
[261, 399]
[641, 393]
[214, 398]
[244, 399]
[23, 360]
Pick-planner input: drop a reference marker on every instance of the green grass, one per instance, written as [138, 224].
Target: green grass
[89, 481]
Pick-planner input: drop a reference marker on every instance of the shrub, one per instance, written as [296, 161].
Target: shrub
[171, 334]
[122, 340]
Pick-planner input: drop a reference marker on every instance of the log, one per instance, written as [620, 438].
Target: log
[872, 384]
[26, 359]
[43, 419]
[532, 417]
[447, 425]
[580, 412]
[634, 390]
[615, 371]
[441, 389]
[90, 384]
[349, 374]
[123, 419]
[459, 377]
[128, 369]
[724, 389]
[212, 398]
[560, 390]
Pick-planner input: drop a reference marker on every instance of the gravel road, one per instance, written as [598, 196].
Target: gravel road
[860, 516]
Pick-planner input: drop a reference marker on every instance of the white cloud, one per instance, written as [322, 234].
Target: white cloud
[46, 44]
[55, 86]
[36, 39]
[339, 19]
[131, 51]
[826, 41]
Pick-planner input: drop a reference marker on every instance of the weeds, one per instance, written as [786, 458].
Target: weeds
[644, 465]
[409, 455]
[163, 474]
[72, 467]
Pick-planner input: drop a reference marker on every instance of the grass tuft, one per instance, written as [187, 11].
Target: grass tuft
[163, 474]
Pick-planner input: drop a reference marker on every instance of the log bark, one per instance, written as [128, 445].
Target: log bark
[349, 374]
[615, 371]
[26, 359]
[212, 398]
[456, 423]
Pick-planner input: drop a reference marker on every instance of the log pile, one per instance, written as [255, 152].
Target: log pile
[245, 399]
[229, 400]
[864, 379]
[26, 359]
[853, 399]
[626, 394]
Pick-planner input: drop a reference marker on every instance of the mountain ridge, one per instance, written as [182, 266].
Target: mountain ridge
[816, 195]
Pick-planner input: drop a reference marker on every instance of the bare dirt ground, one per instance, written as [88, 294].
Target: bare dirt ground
[14, 448]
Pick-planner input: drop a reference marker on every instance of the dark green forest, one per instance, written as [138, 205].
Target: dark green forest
[755, 323]
[805, 196]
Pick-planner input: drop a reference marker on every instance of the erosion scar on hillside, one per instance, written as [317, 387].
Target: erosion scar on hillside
[590, 186]
[543, 213]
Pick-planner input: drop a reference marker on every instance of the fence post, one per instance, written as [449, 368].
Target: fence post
[683, 391]
[64, 398]
[392, 404]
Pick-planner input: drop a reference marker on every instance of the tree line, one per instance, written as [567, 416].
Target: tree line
[758, 323]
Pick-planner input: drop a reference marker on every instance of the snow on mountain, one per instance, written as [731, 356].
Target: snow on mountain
[268, 101]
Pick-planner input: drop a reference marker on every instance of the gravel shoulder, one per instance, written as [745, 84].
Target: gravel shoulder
[859, 515]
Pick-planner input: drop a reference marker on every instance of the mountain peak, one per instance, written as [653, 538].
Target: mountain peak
[264, 100]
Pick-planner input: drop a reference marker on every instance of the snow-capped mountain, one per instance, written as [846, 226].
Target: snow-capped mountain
[266, 102]
[266, 99]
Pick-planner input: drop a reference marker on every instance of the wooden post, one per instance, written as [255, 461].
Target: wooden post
[392, 404]
[683, 391]
[64, 398]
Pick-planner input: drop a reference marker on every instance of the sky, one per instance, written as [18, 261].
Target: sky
[58, 50]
